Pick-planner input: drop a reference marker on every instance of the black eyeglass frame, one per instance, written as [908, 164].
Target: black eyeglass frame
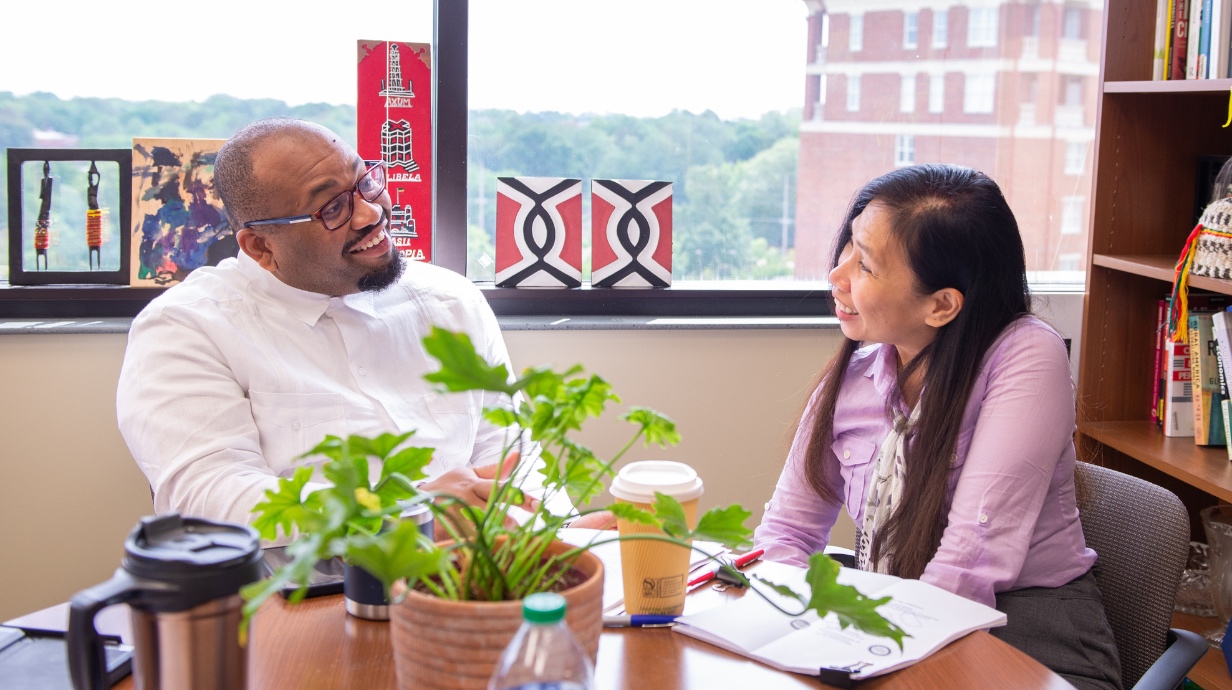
[350, 197]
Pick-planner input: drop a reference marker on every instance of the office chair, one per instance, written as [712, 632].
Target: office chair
[1141, 533]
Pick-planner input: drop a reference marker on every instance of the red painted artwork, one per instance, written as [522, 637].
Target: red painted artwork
[394, 124]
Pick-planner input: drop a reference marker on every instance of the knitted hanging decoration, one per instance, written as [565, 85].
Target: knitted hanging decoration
[1207, 252]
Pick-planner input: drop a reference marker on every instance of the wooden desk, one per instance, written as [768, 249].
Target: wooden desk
[316, 645]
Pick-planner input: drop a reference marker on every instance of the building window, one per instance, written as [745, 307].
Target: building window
[936, 93]
[906, 94]
[1069, 262]
[941, 28]
[855, 35]
[982, 27]
[1073, 91]
[904, 150]
[911, 29]
[1075, 157]
[1071, 23]
[853, 93]
[978, 93]
[1071, 215]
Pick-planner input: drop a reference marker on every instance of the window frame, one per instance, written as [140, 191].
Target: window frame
[911, 29]
[941, 20]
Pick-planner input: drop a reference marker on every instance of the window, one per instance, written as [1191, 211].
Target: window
[982, 27]
[1073, 91]
[936, 93]
[855, 35]
[911, 29]
[941, 28]
[1071, 215]
[1075, 157]
[904, 150]
[978, 93]
[1071, 23]
[906, 94]
[1069, 262]
[853, 93]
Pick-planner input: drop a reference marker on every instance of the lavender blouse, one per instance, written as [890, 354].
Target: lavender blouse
[1013, 520]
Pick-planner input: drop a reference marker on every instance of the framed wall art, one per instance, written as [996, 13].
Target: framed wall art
[69, 211]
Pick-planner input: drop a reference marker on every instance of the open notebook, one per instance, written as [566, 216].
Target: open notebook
[811, 645]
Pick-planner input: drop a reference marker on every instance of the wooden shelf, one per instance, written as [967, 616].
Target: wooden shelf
[1211, 672]
[1169, 86]
[1160, 267]
[1207, 469]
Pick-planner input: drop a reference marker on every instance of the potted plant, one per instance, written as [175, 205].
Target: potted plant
[463, 594]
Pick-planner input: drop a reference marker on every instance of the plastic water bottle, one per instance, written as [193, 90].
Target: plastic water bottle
[543, 655]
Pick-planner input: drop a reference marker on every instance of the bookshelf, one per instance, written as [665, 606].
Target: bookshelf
[1149, 135]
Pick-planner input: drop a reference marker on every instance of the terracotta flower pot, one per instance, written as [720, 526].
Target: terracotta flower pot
[454, 645]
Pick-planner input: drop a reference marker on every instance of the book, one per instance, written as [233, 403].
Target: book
[1157, 378]
[1221, 28]
[1193, 29]
[1207, 399]
[1178, 391]
[1163, 34]
[1204, 40]
[1221, 324]
[1180, 21]
[815, 646]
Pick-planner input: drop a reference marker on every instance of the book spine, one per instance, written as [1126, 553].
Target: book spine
[1195, 376]
[1217, 47]
[1161, 313]
[1193, 31]
[1204, 353]
[1180, 16]
[1225, 406]
[1178, 393]
[1163, 26]
[1221, 324]
[1204, 41]
[1222, 38]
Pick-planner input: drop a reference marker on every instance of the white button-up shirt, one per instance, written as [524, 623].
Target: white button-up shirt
[232, 375]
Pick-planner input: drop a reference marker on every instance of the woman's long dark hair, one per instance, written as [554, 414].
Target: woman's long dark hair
[956, 231]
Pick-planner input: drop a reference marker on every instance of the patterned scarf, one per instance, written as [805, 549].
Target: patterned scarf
[885, 492]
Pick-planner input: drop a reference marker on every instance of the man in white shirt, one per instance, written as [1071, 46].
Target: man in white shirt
[314, 329]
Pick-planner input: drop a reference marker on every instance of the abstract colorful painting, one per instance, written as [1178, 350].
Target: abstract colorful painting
[394, 124]
[538, 232]
[631, 240]
[178, 220]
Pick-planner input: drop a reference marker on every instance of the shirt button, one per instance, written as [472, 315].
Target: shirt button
[983, 518]
[362, 372]
[295, 425]
[846, 454]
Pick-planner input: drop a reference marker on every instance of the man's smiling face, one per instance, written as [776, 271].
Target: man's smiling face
[299, 173]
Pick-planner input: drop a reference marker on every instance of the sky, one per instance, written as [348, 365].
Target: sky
[739, 58]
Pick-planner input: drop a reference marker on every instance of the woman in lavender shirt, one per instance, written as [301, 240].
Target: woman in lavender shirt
[944, 425]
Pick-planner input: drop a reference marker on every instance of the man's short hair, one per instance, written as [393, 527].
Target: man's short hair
[234, 180]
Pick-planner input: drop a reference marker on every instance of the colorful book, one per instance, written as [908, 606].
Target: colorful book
[1163, 35]
[1221, 323]
[1178, 392]
[1180, 42]
[1204, 41]
[1193, 29]
[1207, 398]
[1161, 323]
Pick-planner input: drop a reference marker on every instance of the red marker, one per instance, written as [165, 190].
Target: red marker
[740, 562]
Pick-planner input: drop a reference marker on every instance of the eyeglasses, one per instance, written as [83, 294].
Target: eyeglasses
[337, 211]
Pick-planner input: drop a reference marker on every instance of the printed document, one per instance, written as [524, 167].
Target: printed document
[808, 644]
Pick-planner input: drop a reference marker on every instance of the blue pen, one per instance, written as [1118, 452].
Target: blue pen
[638, 621]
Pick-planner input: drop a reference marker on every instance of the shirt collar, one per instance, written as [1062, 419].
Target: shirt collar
[303, 305]
[884, 370]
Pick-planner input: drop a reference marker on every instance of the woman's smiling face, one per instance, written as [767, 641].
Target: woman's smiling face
[877, 298]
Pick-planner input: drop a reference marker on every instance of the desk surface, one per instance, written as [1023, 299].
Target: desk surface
[315, 644]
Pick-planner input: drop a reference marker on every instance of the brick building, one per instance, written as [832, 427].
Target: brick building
[1006, 87]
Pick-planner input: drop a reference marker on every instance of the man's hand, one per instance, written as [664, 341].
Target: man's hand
[600, 520]
[474, 485]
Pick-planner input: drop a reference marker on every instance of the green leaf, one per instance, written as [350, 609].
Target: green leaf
[332, 448]
[582, 472]
[671, 515]
[408, 462]
[851, 607]
[500, 416]
[304, 555]
[462, 369]
[726, 526]
[347, 474]
[282, 507]
[658, 429]
[380, 447]
[397, 554]
[627, 511]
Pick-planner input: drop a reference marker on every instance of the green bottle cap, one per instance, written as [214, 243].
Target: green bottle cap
[545, 607]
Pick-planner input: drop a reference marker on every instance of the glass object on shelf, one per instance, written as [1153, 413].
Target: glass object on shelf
[1217, 520]
[1193, 596]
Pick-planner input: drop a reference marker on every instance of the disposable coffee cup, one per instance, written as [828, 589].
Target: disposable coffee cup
[655, 572]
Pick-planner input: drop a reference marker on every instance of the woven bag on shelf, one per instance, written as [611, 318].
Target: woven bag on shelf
[1207, 252]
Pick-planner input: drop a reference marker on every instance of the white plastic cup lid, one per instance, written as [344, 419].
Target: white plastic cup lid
[637, 482]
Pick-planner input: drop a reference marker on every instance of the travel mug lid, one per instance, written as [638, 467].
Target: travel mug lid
[197, 559]
[637, 482]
